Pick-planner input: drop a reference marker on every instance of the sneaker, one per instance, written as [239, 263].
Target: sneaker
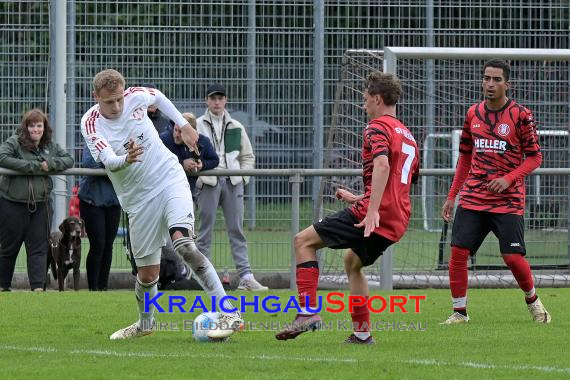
[251, 285]
[353, 339]
[132, 331]
[455, 318]
[227, 325]
[301, 324]
[538, 312]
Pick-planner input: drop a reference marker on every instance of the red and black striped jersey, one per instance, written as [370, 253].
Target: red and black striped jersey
[387, 136]
[498, 141]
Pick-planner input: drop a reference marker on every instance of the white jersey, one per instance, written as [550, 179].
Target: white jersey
[139, 182]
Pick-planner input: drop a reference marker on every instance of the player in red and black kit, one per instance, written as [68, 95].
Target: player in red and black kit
[377, 219]
[498, 149]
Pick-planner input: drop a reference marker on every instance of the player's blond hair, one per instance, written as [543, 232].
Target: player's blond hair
[109, 79]
[386, 85]
[190, 118]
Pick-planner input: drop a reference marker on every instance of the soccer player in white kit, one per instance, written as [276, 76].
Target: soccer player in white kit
[152, 188]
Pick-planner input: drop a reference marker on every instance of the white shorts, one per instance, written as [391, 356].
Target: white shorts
[149, 226]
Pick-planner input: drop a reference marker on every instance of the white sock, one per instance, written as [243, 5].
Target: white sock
[145, 319]
[203, 270]
[305, 312]
[530, 293]
[210, 282]
[247, 277]
[459, 302]
[362, 335]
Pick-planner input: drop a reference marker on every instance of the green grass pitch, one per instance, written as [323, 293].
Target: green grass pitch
[66, 336]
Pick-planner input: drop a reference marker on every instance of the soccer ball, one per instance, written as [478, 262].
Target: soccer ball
[202, 324]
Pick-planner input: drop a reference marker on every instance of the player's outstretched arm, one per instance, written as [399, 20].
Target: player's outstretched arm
[114, 163]
[498, 185]
[100, 148]
[461, 172]
[447, 209]
[156, 98]
[189, 135]
[533, 156]
[463, 162]
[347, 196]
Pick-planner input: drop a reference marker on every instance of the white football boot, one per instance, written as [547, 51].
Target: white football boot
[455, 318]
[133, 331]
[226, 325]
[538, 312]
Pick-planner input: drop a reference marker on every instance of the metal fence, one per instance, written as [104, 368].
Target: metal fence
[437, 92]
[402, 271]
[279, 60]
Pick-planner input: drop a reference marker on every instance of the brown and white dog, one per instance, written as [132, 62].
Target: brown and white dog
[65, 247]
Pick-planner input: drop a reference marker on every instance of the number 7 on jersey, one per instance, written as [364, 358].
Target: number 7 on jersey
[410, 152]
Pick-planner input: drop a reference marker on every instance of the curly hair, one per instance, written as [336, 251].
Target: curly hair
[386, 85]
[34, 116]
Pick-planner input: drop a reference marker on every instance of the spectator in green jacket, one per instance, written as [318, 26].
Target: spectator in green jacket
[25, 210]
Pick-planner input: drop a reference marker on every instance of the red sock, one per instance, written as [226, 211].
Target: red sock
[521, 270]
[458, 276]
[361, 316]
[307, 282]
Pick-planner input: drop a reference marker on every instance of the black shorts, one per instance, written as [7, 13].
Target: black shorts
[337, 231]
[471, 227]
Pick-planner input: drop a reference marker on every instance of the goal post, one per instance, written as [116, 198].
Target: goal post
[392, 54]
[439, 85]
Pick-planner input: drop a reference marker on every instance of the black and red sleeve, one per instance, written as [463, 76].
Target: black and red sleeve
[378, 136]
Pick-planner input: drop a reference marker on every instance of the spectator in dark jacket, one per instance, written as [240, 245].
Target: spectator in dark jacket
[160, 121]
[25, 210]
[101, 212]
[202, 157]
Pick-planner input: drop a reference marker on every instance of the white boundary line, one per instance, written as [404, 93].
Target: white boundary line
[426, 362]
[440, 363]
[174, 355]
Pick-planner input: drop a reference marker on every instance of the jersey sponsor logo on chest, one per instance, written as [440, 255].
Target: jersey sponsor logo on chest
[140, 139]
[489, 144]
